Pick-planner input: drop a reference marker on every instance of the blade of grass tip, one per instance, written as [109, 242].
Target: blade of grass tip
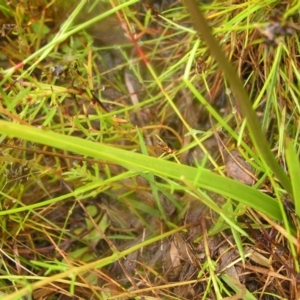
[294, 170]
[242, 292]
[241, 95]
[293, 9]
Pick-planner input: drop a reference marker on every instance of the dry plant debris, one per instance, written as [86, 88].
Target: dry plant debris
[98, 85]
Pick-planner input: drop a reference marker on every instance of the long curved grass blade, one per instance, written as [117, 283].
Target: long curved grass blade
[241, 95]
[200, 177]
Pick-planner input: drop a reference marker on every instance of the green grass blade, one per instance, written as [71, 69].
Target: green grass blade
[294, 170]
[141, 163]
[241, 95]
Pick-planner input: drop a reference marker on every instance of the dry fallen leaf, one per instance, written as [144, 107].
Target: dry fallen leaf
[237, 168]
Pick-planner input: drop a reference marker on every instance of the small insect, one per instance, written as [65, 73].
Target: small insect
[163, 146]
[6, 28]
[200, 66]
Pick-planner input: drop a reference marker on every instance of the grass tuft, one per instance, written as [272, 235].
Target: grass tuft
[149, 151]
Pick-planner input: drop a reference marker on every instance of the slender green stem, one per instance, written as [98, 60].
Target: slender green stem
[241, 95]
